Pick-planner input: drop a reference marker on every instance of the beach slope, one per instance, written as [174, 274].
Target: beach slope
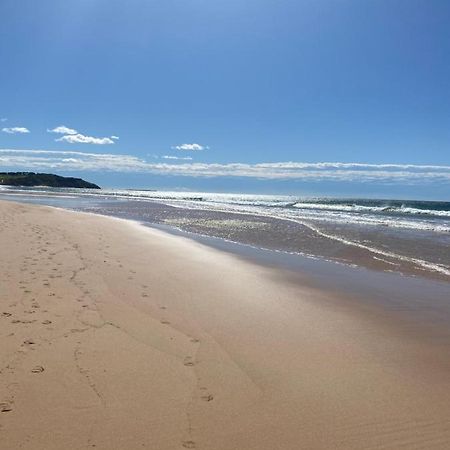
[117, 336]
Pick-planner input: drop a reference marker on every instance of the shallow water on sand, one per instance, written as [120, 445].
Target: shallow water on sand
[411, 238]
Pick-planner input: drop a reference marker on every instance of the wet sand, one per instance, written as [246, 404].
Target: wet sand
[119, 336]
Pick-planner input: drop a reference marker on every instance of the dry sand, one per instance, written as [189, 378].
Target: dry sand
[115, 336]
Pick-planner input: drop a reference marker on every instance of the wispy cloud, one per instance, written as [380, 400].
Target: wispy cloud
[72, 136]
[179, 158]
[16, 130]
[62, 129]
[3, 119]
[320, 171]
[190, 147]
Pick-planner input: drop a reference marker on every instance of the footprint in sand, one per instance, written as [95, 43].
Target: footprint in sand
[22, 321]
[207, 398]
[188, 361]
[37, 369]
[29, 342]
[5, 407]
[46, 322]
[6, 314]
[165, 322]
[195, 341]
[188, 444]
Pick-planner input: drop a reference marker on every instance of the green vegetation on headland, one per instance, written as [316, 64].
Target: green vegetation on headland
[43, 179]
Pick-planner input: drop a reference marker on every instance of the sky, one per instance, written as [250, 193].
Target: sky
[312, 97]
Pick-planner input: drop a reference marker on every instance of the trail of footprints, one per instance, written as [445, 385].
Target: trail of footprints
[189, 361]
[33, 270]
[27, 310]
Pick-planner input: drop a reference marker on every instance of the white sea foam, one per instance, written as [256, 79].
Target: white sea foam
[322, 216]
[420, 263]
[372, 209]
[415, 261]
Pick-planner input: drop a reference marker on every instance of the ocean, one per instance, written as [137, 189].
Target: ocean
[405, 236]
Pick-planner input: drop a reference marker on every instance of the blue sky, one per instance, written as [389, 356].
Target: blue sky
[229, 85]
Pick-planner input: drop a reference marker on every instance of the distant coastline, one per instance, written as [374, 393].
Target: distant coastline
[43, 179]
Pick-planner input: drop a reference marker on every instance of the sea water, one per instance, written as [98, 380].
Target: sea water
[392, 235]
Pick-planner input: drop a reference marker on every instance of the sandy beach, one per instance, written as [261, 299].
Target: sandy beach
[118, 336]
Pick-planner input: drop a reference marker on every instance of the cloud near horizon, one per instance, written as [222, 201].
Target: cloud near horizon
[15, 130]
[75, 161]
[179, 158]
[190, 147]
[72, 136]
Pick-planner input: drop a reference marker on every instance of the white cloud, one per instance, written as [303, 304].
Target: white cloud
[321, 171]
[62, 129]
[190, 147]
[183, 158]
[82, 139]
[74, 137]
[16, 130]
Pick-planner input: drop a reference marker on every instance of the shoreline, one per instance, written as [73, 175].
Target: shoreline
[385, 249]
[158, 341]
[335, 248]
